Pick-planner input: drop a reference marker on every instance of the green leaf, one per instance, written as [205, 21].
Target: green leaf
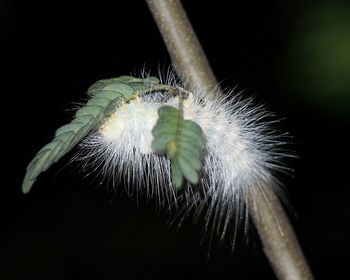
[126, 85]
[182, 140]
[106, 95]
[177, 173]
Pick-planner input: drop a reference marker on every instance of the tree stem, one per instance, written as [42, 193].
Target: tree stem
[182, 43]
[276, 233]
[279, 241]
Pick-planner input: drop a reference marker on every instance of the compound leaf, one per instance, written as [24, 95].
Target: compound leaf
[106, 95]
[182, 140]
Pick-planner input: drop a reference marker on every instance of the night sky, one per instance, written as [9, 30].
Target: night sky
[72, 227]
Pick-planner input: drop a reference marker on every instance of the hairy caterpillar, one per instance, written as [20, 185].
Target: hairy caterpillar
[117, 127]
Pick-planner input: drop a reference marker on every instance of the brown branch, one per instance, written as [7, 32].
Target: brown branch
[277, 236]
[181, 41]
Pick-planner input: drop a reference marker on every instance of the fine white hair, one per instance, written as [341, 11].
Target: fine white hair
[242, 153]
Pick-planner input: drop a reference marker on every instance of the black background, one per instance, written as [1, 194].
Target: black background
[69, 227]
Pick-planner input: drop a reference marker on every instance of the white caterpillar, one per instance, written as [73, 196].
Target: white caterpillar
[242, 151]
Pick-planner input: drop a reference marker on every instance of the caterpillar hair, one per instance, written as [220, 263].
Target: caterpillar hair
[242, 153]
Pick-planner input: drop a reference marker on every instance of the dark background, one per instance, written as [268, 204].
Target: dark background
[293, 56]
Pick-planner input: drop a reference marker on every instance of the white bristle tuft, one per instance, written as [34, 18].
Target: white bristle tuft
[242, 151]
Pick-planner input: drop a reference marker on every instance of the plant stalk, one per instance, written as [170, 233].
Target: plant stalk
[185, 51]
[276, 233]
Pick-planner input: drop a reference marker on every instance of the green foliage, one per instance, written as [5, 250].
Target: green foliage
[182, 140]
[106, 97]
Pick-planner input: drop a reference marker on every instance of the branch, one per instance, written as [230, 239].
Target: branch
[277, 236]
[182, 43]
[279, 241]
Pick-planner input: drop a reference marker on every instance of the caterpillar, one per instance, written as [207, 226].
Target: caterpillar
[192, 150]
